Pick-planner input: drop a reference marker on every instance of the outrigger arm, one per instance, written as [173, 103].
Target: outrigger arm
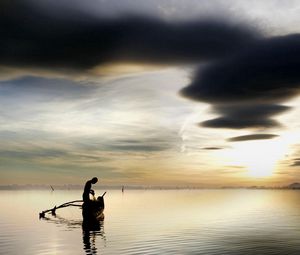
[53, 210]
[71, 203]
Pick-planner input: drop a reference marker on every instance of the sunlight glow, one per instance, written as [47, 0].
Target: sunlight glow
[260, 157]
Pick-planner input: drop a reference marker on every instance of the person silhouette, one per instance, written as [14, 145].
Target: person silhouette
[88, 190]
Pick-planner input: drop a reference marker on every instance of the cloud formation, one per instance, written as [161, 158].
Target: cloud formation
[251, 137]
[148, 145]
[74, 41]
[296, 162]
[42, 89]
[265, 74]
[245, 116]
[212, 148]
[244, 68]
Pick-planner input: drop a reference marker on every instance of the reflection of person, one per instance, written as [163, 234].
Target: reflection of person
[89, 235]
[88, 189]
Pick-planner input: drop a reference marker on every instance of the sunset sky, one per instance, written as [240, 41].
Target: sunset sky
[156, 92]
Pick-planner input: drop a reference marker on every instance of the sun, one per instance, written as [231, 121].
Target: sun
[260, 164]
[259, 157]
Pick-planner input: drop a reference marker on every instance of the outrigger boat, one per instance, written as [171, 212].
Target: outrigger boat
[92, 211]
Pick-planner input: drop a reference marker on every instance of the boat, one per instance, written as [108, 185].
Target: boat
[93, 210]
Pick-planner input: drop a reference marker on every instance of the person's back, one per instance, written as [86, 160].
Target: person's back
[87, 189]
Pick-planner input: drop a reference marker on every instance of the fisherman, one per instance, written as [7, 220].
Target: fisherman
[88, 189]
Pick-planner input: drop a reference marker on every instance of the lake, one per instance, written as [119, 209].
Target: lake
[155, 222]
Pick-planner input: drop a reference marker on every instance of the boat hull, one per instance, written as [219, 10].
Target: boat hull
[93, 210]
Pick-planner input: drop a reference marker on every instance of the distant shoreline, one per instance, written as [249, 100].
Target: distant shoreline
[293, 186]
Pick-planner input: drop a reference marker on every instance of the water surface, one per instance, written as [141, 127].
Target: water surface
[155, 222]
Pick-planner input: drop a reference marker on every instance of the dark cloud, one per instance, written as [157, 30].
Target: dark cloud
[238, 123]
[254, 111]
[296, 162]
[32, 37]
[251, 137]
[245, 116]
[266, 73]
[212, 148]
[246, 70]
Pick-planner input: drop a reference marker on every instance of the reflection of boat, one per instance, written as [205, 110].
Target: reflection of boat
[90, 230]
[92, 224]
[93, 210]
[89, 234]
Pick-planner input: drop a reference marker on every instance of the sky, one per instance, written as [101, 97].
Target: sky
[157, 93]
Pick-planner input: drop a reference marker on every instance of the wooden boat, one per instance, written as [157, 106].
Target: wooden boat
[93, 210]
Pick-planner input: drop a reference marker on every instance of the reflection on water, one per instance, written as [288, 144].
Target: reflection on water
[89, 237]
[90, 230]
[61, 221]
[202, 222]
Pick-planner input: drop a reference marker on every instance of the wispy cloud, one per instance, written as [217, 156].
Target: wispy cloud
[251, 137]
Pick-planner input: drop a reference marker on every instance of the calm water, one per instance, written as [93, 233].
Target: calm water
[155, 222]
